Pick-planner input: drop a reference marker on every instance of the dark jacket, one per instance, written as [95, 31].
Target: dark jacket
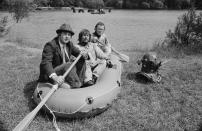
[52, 57]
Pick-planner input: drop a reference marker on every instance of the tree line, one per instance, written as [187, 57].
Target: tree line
[121, 4]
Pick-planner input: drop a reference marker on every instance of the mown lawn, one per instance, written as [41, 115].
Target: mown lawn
[174, 104]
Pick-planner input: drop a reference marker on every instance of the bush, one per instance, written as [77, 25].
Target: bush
[187, 32]
[186, 37]
[3, 24]
[94, 4]
[57, 3]
[157, 4]
[19, 9]
[145, 5]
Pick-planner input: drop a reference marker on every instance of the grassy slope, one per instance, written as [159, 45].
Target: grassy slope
[173, 104]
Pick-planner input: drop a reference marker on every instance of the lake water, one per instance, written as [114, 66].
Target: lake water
[126, 29]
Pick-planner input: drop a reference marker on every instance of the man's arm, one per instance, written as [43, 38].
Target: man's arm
[104, 43]
[99, 53]
[47, 58]
[108, 49]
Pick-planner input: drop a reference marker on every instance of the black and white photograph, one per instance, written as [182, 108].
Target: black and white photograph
[100, 65]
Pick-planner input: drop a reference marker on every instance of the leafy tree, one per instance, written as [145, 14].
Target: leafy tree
[57, 3]
[42, 2]
[145, 5]
[69, 2]
[157, 4]
[94, 3]
[19, 9]
[4, 4]
[114, 3]
[198, 4]
[79, 3]
[132, 4]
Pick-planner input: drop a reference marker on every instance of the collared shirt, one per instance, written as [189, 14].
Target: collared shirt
[65, 50]
[94, 52]
[104, 44]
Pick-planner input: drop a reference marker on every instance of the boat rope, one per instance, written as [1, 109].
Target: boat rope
[54, 121]
[54, 118]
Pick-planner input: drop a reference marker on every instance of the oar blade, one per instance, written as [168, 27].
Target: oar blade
[22, 126]
[124, 58]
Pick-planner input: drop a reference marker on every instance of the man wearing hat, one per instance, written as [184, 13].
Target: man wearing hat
[56, 60]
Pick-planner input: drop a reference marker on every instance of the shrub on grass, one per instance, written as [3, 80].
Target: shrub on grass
[187, 35]
[3, 24]
[19, 9]
[157, 4]
[145, 5]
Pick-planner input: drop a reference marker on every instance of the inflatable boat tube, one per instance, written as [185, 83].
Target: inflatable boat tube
[83, 102]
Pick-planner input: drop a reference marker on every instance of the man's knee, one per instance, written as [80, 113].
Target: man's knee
[103, 62]
[66, 66]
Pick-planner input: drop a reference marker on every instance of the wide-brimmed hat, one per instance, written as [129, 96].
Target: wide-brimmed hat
[65, 28]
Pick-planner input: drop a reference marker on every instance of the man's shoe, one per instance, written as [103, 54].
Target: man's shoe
[109, 64]
[94, 79]
[88, 83]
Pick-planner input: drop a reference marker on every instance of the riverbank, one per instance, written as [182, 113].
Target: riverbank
[173, 104]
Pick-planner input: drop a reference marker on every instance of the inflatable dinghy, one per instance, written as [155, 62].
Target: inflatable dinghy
[83, 102]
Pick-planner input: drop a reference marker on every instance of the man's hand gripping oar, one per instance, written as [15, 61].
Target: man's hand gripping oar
[28, 119]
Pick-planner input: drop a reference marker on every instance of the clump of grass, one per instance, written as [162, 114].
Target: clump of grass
[186, 37]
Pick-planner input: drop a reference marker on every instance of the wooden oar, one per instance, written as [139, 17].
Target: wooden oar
[123, 57]
[28, 119]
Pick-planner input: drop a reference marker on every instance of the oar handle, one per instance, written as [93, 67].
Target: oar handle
[114, 50]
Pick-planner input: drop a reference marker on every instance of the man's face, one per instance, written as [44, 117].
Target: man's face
[65, 37]
[100, 29]
[85, 38]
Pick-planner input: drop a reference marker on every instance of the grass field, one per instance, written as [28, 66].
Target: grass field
[174, 104]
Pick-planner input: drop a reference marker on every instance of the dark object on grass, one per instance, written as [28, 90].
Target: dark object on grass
[73, 9]
[81, 11]
[149, 69]
[149, 63]
[109, 10]
[148, 77]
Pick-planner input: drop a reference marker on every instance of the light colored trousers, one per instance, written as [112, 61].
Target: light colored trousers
[94, 69]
